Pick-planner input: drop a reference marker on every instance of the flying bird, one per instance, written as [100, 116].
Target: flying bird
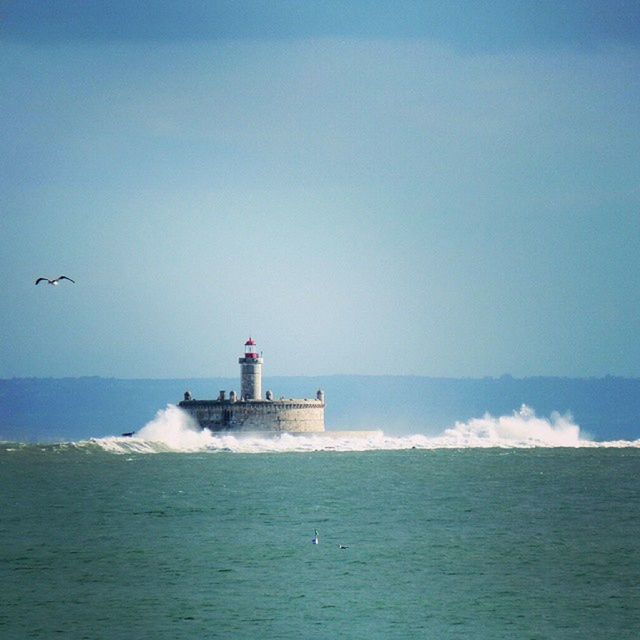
[55, 281]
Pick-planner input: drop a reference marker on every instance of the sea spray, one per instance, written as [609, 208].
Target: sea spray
[174, 430]
[171, 430]
[520, 429]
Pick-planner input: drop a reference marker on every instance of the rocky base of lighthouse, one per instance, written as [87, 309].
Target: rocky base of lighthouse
[278, 416]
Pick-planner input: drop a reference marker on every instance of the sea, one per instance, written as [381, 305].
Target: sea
[516, 527]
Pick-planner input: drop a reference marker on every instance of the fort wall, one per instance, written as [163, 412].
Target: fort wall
[296, 416]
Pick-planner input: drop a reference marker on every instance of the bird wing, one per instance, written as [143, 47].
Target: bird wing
[65, 278]
[41, 279]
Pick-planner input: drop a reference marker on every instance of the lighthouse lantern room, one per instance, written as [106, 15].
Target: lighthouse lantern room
[250, 350]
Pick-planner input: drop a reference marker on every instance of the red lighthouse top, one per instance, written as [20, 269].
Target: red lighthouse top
[250, 350]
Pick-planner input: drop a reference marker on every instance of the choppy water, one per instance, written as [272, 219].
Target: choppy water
[442, 543]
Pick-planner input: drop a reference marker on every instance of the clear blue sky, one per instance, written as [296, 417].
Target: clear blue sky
[443, 188]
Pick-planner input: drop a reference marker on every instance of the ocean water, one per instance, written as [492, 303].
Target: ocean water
[178, 534]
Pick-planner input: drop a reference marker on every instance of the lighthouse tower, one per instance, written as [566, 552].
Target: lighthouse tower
[250, 372]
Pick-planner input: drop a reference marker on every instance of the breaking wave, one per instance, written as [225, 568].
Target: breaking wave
[174, 430]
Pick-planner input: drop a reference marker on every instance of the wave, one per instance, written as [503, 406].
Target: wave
[173, 430]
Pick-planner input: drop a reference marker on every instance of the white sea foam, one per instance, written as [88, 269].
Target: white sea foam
[174, 430]
[171, 430]
[521, 429]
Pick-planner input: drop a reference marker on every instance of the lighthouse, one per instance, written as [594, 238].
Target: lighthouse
[252, 413]
[250, 372]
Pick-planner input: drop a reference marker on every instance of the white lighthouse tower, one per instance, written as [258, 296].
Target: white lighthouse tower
[250, 372]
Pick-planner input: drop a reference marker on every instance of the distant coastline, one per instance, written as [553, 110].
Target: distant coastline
[53, 409]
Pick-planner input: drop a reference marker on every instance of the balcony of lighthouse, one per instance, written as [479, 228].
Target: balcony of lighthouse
[233, 399]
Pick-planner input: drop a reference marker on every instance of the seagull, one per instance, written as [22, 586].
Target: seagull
[55, 281]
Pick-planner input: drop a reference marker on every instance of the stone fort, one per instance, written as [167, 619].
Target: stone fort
[252, 412]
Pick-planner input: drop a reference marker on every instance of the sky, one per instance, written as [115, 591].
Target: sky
[367, 187]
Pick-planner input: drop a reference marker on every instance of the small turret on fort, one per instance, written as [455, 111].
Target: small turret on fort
[250, 372]
[251, 412]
